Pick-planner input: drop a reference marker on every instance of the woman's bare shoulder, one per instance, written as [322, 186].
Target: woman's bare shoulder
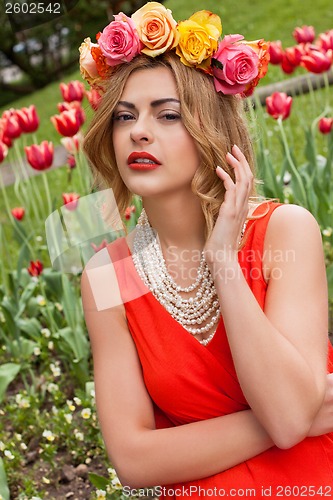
[294, 219]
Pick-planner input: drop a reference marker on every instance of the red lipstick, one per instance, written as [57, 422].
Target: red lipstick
[142, 161]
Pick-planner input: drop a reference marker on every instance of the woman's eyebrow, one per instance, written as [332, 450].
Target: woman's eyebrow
[154, 104]
[158, 102]
[126, 104]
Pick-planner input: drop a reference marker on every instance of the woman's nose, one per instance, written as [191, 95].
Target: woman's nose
[141, 132]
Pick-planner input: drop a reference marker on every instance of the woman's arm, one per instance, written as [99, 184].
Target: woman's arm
[142, 455]
[279, 353]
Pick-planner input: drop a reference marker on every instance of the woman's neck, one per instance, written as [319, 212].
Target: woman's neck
[178, 222]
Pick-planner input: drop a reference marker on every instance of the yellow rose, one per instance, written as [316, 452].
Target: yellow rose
[88, 67]
[156, 27]
[198, 38]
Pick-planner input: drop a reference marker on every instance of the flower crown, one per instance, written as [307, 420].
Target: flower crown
[235, 64]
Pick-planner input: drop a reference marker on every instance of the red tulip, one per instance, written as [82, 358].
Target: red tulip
[305, 34]
[72, 144]
[316, 61]
[73, 91]
[97, 248]
[3, 151]
[66, 106]
[275, 52]
[28, 119]
[325, 125]
[291, 58]
[129, 211]
[67, 123]
[278, 105]
[3, 137]
[94, 98]
[10, 124]
[18, 213]
[70, 200]
[71, 161]
[325, 41]
[40, 157]
[35, 268]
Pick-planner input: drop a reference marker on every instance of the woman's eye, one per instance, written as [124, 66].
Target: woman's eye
[123, 117]
[170, 116]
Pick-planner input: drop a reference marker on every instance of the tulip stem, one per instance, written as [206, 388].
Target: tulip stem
[53, 325]
[10, 216]
[327, 89]
[47, 192]
[291, 163]
[312, 94]
[19, 179]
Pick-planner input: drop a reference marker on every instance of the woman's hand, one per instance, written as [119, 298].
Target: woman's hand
[323, 423]
[222, 245]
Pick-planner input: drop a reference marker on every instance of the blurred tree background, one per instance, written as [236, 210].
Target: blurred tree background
[32, 58]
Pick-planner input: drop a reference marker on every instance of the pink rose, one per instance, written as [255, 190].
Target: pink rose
[235, 65]
[119, 41]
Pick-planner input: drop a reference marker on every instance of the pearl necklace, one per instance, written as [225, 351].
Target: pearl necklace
[151, 267]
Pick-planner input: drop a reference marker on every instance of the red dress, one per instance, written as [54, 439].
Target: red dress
[189, 382]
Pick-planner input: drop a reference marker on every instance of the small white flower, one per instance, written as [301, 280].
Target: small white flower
[55, 369]
[100, 494]
[36, 351]
[92, 393]
[45, 480]
[39, 238]
[49, 435]
[287, 178]
[116, 484]
[51, 387]
[55, 410]
[9, 455]
[58, 306]
[45, 332]
[18, 436]
[23, 446]
[41, 300]
[77, 401]
[79, 435]
[88, 460]
[2, 446]
[50, 345]
[68, 417]
[86, 413]
[70, 404]
[327, 232]
[22, 402]
[76, 270]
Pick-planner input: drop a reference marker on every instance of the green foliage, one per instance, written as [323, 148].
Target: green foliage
[4, 490]
[8, 372]
[296, 176]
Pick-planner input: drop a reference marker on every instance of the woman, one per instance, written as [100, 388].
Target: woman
[185, 398]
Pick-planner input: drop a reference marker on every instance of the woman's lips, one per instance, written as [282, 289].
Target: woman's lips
[148, 162]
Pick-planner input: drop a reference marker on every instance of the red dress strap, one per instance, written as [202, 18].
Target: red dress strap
[251, 255]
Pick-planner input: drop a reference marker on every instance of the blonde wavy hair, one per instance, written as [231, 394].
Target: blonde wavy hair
[221, 124]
